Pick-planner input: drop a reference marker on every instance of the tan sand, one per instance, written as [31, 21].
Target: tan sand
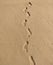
[26, 42]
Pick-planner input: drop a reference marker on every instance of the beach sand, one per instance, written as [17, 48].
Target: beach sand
[26, 32]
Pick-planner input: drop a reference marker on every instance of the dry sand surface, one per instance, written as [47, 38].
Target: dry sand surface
[26, 32]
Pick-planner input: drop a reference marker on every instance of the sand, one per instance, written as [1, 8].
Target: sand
[26, 32]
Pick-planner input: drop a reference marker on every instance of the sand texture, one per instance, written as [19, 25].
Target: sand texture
[26, 32]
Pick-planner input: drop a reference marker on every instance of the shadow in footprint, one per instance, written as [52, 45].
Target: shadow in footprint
[32, 61]
[30, 4]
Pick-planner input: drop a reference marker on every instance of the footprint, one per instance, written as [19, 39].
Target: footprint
[25, 20]
[25, 47]
[32, 61]
[27, 42]
[24, 23]
[28, 14]
[25, 9]
[29, 30]
[30, 4]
